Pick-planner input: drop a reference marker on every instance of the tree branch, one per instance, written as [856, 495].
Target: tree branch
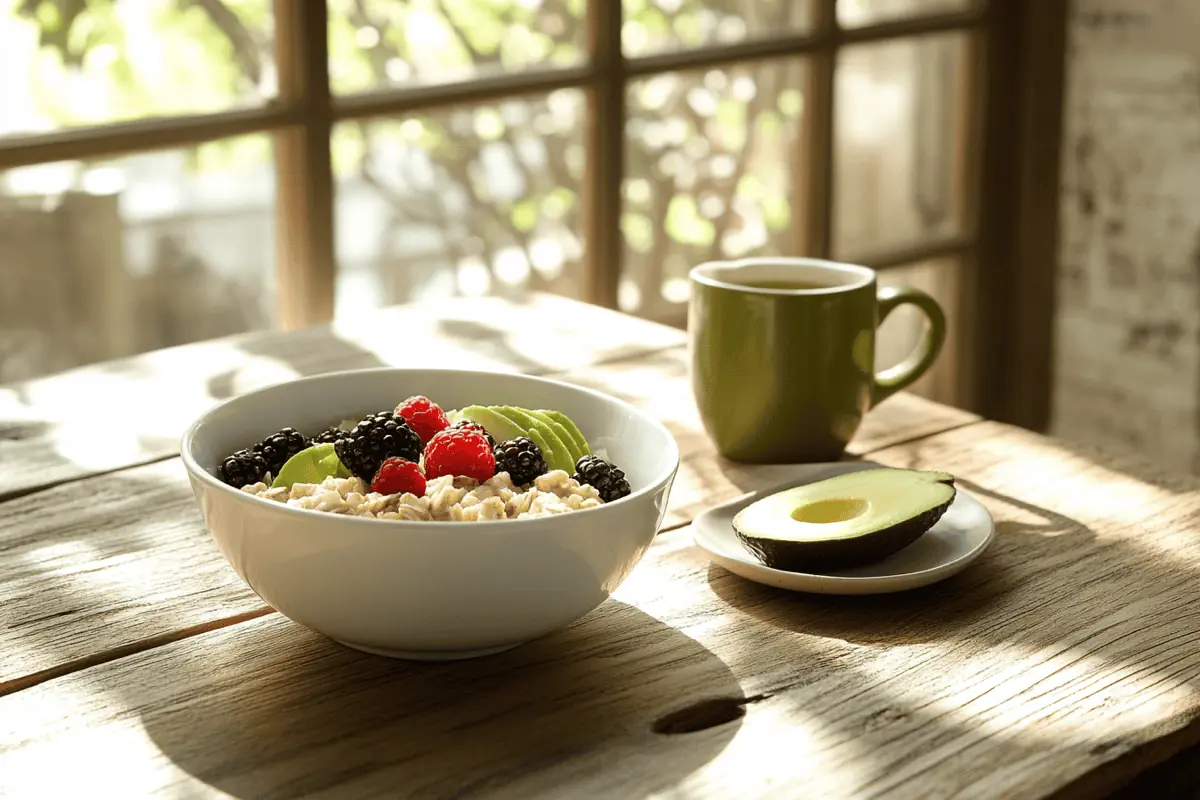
[476, 56]
[245, 49]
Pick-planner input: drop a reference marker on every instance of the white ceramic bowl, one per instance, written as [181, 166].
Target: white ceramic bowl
[430, 590]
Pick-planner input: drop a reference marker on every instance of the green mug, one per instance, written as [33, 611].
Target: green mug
[783, 354]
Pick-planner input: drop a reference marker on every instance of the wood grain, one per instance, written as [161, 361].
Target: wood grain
[104, 563]
[49, 430]
[114, 560]
[1049, 667]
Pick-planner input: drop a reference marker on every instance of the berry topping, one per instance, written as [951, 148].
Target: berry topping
[423, 416]
[396, 476]
[277, 448]
[460, 452]
[604, 477]
[521, 458]
[243, 468]
[329, 436]
[375, 438]
[468, 425]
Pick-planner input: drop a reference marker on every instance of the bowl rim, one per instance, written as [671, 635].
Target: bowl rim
[199, 473]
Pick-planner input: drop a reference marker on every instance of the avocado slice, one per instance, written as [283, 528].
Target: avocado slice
[581, 445]
[554, 449]
[311, 465]
[849, 520]
[498, 425]
[562, 433]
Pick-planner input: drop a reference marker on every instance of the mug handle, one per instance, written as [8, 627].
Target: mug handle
[893, 379]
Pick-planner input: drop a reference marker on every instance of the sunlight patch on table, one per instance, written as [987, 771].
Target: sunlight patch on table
[89, 573]
[1052, 699]
[144, 414]
[54, 554]
[539, 333]
[1092, 495]
[117, 759]
[12, 409]
[762, 762]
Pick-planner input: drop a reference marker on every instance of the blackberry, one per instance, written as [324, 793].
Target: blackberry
[604, 477]
[475, 426]
[243, 468]
[277, 448]
[374, 439]
[521, 458]
[328, 436]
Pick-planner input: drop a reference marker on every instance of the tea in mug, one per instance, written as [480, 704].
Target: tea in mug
[794, 285]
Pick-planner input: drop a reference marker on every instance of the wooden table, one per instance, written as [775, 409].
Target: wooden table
[135, 663]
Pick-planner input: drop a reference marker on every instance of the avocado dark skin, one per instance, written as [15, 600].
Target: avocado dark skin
[833, 556]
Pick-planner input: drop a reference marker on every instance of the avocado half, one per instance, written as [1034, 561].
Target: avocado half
[846, 521]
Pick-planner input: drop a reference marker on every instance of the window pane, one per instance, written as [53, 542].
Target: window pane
[73, 63]
[853, 13]
[898, 132]
[902, 330]
[464, 201]
[711, 161]
[652, 26]
[376, 43]
[107, 259]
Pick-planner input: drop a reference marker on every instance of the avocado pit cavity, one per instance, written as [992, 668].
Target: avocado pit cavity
[840, 509]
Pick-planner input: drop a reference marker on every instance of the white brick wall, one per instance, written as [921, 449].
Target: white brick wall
[1128, 329]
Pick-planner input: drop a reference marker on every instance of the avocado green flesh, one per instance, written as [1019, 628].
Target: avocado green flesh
[311, 465]
[572, 429]
[853, 519]
[555, 450]
[498, 425]
[562, 433]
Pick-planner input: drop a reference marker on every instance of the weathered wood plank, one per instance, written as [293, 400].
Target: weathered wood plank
[1072, 643]
[115, 559]
[129, 412]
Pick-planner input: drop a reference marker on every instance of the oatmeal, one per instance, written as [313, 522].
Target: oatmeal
[446, 499]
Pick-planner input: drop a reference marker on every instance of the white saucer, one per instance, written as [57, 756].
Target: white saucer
[959, 538]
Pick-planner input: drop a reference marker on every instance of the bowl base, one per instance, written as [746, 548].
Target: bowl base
[430, 655]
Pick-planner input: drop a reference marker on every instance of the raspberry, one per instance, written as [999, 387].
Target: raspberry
[396, 476]
[423, 416]
[459, 452]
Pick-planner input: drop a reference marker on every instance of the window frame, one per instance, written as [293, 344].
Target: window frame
[302, 116]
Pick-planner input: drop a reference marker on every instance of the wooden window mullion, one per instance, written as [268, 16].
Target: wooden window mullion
[604, 141]
[305, 266]
[814, 190]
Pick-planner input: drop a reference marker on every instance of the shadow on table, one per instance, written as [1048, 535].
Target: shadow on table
[277, 711]
[296, 350]
[492, 341]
